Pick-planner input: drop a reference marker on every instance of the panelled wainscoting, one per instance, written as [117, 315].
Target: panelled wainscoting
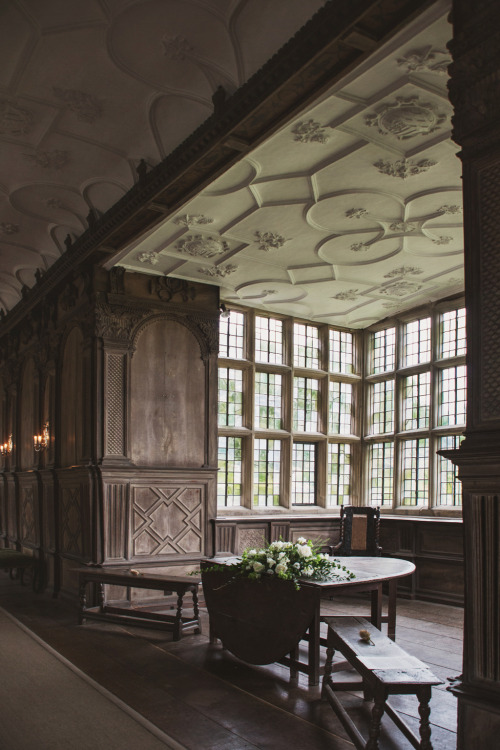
[434, 545]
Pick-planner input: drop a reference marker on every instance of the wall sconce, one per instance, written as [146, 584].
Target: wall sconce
[41, 442]
[224, 312]
[6, 448]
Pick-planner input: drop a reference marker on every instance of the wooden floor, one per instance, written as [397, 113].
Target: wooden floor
[208, 700]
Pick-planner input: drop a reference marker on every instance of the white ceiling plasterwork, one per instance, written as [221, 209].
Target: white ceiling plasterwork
[351, 212]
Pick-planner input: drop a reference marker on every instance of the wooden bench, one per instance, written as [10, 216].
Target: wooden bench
[386, 669]
[146, 614]
[17, 562]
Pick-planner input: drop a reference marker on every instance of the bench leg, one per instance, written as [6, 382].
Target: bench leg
[196, 611]
[377, 713]
[330, 653]
[178, 618]
[83, 602]
[424, 696]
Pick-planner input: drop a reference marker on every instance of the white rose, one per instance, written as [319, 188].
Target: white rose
[270, 572]
[307, 572]
[304, 550]
[281, 567]
[281, 555]
[251, 552]
[296, 565]
[270, 561]
[258, 567]
[301, 540]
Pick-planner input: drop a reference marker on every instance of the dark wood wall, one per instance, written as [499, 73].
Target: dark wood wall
[123, 367]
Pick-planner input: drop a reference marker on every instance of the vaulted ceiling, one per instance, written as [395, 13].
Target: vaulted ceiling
[349, 212]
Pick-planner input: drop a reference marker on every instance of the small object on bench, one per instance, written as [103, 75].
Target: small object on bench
[139, 615]
[15, 560]
[386, 669]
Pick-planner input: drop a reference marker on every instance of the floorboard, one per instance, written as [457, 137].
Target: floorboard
[206, 699]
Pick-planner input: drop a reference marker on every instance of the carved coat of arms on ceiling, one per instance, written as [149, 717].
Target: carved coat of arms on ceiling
[14, 120]
[406, 118]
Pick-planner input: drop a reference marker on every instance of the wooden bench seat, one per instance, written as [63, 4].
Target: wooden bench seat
[386, 669]
[18, 562]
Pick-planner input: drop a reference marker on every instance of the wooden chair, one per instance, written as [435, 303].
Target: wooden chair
[359, 535]
[359, 532]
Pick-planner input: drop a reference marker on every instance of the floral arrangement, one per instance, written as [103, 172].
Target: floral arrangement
[290, 561]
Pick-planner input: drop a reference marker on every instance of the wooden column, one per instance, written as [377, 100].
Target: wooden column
[475, 94]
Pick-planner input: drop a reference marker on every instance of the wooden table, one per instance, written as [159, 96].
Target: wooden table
[371, 573]
[245, 633]
[142, 614]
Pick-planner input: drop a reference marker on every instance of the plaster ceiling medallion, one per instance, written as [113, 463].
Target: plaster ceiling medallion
[356, 213]
[269, 240]
[403, 271]
[189, 220]
[402, 226]
[406, 118]
[176, 47]
[218, 271]
[310, 131]
[426, 60]
[150, 257]
[55, 159]
[359, 247]
[350, 294]
[201, 245]
[404, 168]
[7, 228]
[55, 203]
[400, 289]
[453, 210]
[86, 107]
[14, 120]
[443, 240]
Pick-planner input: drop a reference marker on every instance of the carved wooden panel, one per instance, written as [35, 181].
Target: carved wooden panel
[167, 397]
[28, 413]
[433, 541]
[12, 514]
[225, 538]
[29, 517]
[167, 520]
[70, 521]
[115, 404]
[250, 537]
[115, 521]
[72, 396]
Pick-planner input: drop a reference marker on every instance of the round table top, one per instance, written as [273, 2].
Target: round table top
[368, 569]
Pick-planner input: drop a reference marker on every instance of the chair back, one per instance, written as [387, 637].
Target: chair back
[359, 531]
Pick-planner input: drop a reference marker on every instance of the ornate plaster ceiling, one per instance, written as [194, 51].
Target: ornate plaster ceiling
[89, 88]
[349, 213]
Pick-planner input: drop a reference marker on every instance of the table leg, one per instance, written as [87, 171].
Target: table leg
[376, 610]
[196, 611]
[314, 646]
[83, 602]
[391, 610]
[178, 616]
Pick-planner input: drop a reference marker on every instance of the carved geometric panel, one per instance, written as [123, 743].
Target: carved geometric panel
[250, 538]
[70, 520]
[167, 520]
[115, 521]
[115, 421]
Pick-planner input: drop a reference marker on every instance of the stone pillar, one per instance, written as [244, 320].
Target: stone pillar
[475, 94]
